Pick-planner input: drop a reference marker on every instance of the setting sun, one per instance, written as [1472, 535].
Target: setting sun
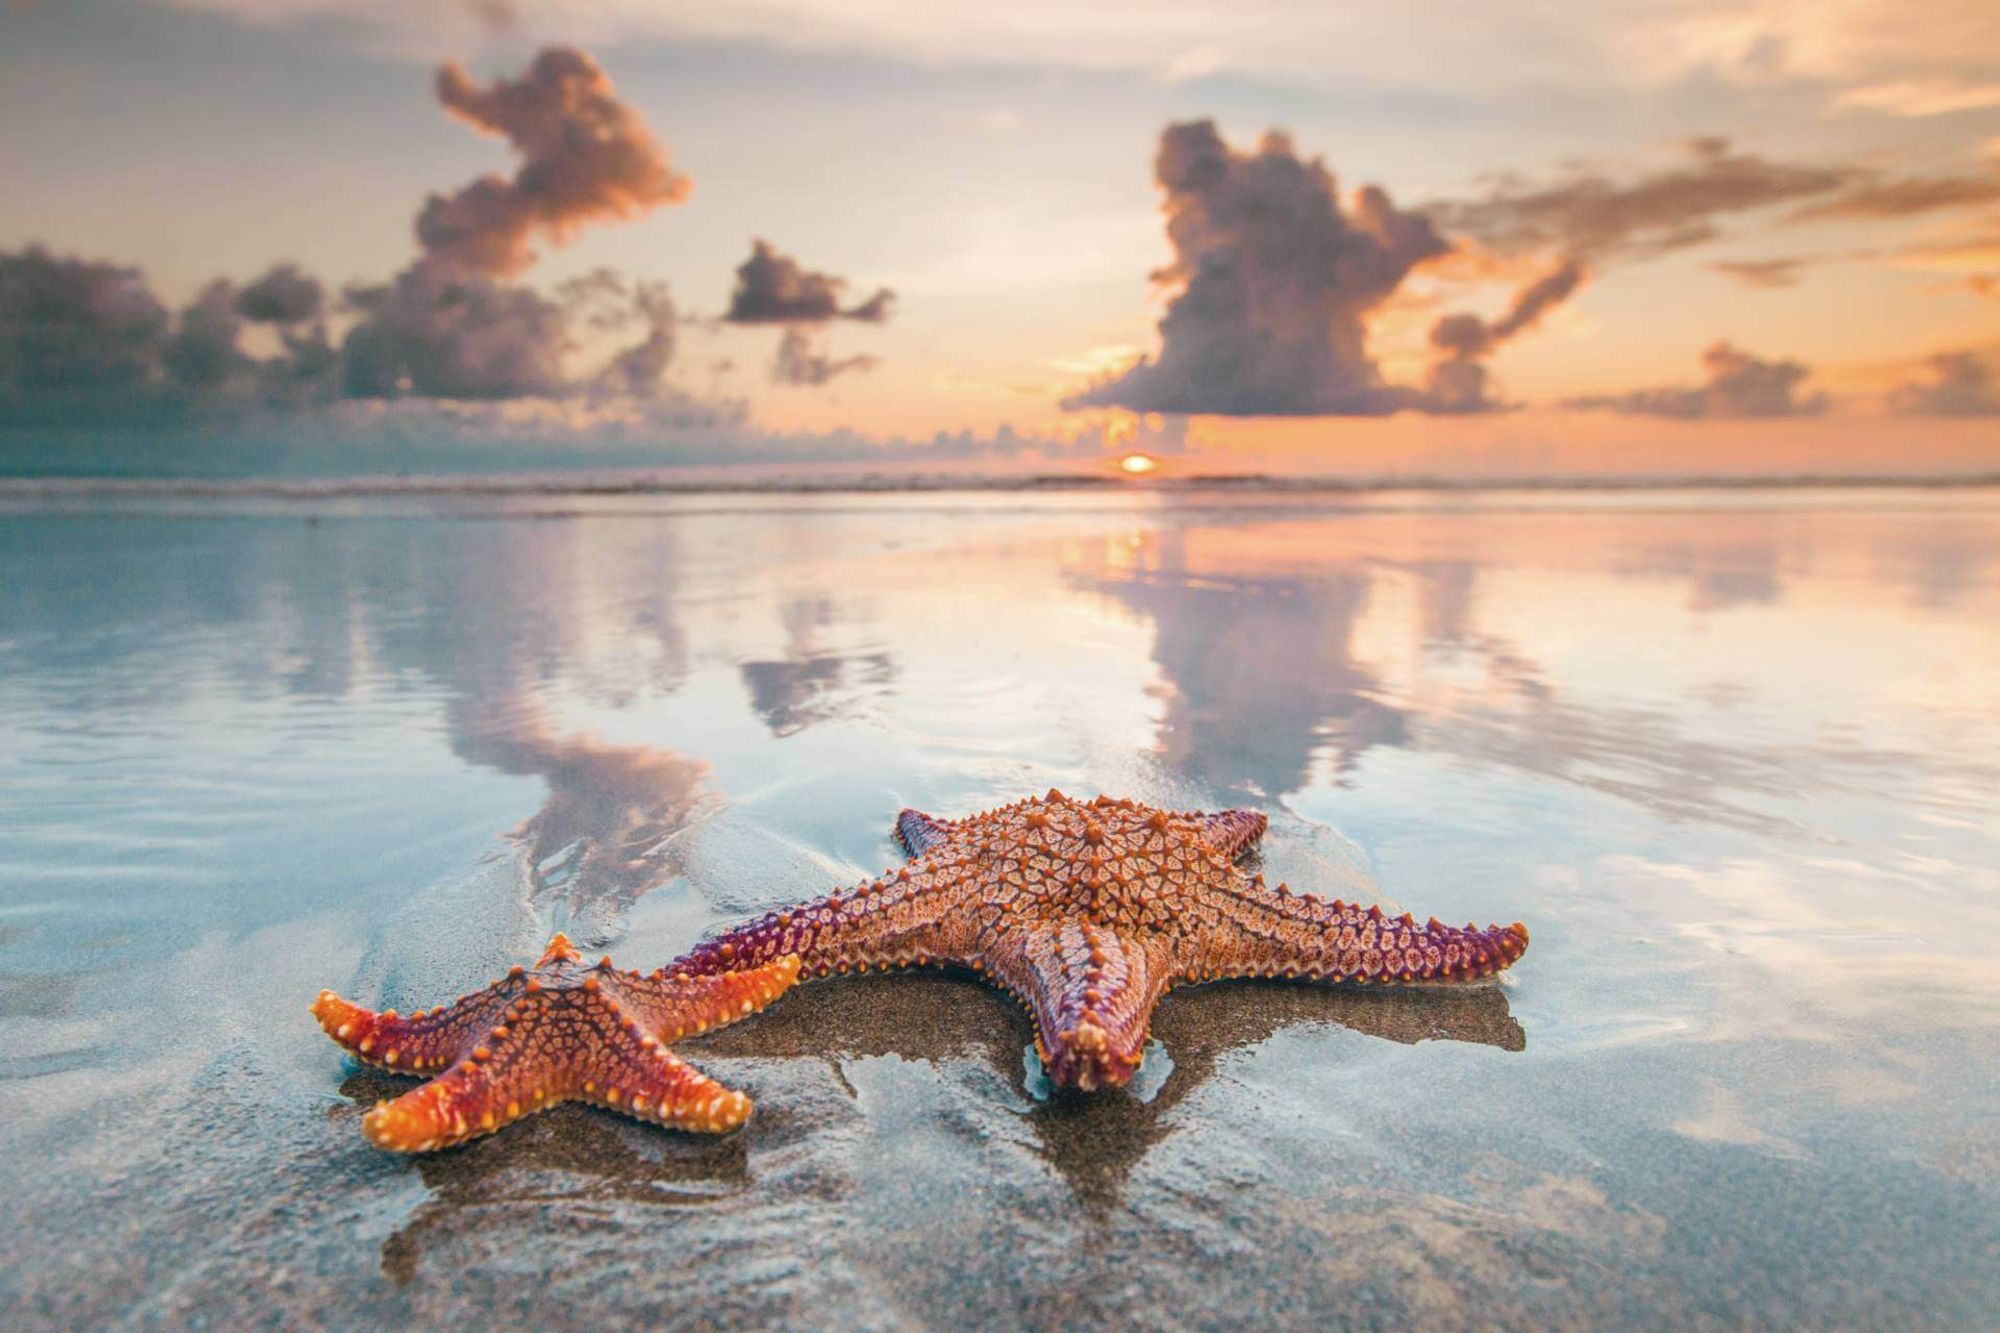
[1137, 465]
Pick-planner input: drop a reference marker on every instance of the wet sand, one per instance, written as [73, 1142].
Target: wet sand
[1739, 1079]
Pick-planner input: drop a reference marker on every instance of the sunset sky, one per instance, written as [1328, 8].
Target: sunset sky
[1672, 235]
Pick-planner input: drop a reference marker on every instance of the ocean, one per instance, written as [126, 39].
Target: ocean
[1732, 756]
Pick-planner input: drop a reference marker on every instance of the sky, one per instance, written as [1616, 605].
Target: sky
[1444, 238]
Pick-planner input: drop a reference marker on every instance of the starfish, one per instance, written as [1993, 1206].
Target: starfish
[559, 1031]
[1088, 913]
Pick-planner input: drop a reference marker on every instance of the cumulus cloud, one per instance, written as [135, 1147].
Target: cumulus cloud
[284, 295]
[438, 337]
[1738, 385]
[72, 326]
[1595, 215]
[799, 362]
[774, 288]
[1961, 384]
[84, 342]
[1274, 282]
[1458, 380]
[201, 352]
[447, 327]
[585, 157]
[639, 369]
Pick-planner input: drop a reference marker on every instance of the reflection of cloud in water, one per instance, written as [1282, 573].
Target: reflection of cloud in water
[810, 685]
[1821, 947]
[1281, 640]
[1262, 669]
[1095, 1140]
[1718, 577]
[602, 837]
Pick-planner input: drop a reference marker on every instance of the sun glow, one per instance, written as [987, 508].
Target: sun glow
[1137, 465]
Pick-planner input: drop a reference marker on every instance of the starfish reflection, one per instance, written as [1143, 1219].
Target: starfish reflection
[571, 1155]
[1095, 1141]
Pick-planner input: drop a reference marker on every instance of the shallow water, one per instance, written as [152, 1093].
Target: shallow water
[1732, 758]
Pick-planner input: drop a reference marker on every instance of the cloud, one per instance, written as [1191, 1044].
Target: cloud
[1877, 198]
[86, 343]
[585, 157]
[798, 362]
[285, 295]
[1274, 280]
[1763, 274]
[1739, 385]
[1921, 97]
[1962, 384]
[639, 369]
[445, 327]
[72, 326]
[774, 288]
[1458, 380]
[436, 337]
[1593, 215]
[201, 352]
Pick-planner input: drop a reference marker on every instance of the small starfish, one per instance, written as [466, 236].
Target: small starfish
[561, 1031]
[1089, 912]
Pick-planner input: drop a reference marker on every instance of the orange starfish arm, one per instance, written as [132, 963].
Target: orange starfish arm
[1092, 995]
[494, 1086]
[671, 1006]
[641, 1077]
[1273, 932]
[417, 1042]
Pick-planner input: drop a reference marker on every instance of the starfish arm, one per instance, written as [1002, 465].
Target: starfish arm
[670, 1007]
[920, 833]
[1273, 932]
[910, 916]
[493, 1085]
[1230, 832]
[1092, 994]
[420, 1041]
[642, 1078]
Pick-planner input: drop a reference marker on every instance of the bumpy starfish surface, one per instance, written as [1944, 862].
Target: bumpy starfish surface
[1089, 912]
[560, 1031]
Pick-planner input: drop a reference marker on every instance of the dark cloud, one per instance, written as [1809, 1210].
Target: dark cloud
[201, 352]
[1738, 385]
[84, 343]
[1458, 380]
[1596, 216]
[586, 157]
[774, 288]
[1879, 198]
[285, 295]
[438, 337]
[73, 327]
[799, 362]
[1962, 384]
[639, 368]
[1275, 280]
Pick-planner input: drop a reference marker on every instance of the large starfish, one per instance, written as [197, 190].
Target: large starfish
[560, 1031]
[1089, 912]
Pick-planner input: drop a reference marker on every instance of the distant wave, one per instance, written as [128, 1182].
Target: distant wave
[791, 482]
